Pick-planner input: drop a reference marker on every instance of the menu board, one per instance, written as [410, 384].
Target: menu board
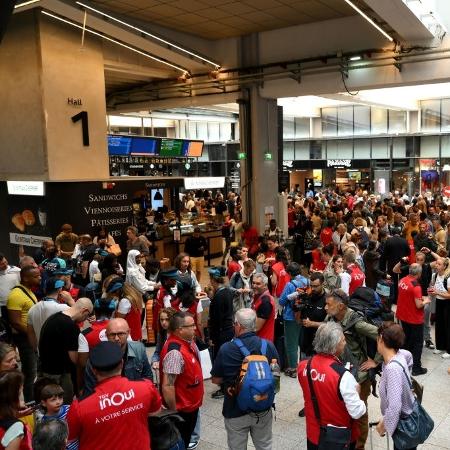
[171, 147]
[119, 145]
[143, 146]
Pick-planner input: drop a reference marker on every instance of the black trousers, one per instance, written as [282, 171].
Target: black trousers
[443, 325]
[311, 446]
[187, 427]
[414, 342]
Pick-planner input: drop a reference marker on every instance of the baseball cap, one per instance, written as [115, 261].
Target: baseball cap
[115, 285]
[53, 284]
[217, 271]
[170, 272]
[106, 356]
[56, 266]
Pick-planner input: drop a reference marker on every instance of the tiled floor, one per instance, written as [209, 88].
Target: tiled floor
[289, 429]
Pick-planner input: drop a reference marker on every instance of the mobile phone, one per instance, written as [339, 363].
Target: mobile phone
[33, 405]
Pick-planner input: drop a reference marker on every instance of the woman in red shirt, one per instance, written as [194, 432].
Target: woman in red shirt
[279, 277]
[250, 239]
[318, 264]
[233, 264]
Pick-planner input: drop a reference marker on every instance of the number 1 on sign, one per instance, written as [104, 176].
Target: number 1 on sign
[83, 116]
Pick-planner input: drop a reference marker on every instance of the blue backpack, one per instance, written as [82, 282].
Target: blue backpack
[255, 385]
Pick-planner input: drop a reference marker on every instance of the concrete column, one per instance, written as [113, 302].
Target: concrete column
[259, 176]
[48, 77]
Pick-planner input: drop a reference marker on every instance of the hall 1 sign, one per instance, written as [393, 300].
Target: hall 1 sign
[339, 163]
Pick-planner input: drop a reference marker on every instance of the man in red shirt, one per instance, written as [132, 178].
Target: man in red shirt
[115, 414]
[410, 312]
[353, 277]
[264, 305]
[181, 373]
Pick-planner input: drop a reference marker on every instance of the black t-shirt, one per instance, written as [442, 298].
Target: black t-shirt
[195, 246]
[315, 312]
[265, 309]
[221, 313]
[227, 366]
[59, 335]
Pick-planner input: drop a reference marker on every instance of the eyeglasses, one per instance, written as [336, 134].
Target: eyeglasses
[119, 334]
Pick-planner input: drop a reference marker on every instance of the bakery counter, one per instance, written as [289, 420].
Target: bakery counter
[167, 248]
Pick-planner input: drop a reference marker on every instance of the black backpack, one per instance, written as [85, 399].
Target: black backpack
[164, 433]
[367, 303]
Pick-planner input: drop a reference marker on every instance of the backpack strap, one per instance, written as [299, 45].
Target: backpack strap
[25, 292]
[263, 347]
[242, 347]
[312, 393]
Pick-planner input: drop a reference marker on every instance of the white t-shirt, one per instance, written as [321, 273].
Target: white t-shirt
[8, 279]
[439, 285]
[124, 306]
[41, 311]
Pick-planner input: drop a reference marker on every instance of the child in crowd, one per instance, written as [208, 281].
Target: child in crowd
[50, 395]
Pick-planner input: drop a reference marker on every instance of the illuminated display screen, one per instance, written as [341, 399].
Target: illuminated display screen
[171, 147]
[144, 146]
[119, 145]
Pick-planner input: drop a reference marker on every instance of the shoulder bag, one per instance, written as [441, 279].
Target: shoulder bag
[415, 428]
[331, 437]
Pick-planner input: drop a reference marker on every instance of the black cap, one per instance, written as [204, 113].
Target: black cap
[169, 272]
[106, 356]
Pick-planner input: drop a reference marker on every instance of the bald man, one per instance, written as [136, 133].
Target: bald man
[58, 344]
[135, 361]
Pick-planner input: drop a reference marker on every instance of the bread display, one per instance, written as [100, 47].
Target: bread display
[28, 217]
[19, 222]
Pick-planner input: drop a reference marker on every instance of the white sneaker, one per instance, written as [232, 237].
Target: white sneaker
[437, 352]
[445, 355]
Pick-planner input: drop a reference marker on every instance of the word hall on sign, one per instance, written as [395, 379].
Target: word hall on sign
[74, 101]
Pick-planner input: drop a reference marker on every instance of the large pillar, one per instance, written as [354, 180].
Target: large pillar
[47, 78]
[258, 124]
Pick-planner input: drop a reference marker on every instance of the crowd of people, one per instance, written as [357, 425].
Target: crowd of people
[347, 295]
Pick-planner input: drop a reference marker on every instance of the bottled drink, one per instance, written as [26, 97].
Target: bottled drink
[276, 373]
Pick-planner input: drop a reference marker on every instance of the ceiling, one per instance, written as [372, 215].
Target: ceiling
[217, 19]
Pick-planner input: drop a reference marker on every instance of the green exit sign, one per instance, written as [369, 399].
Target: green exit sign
[268, 156]
[242, 155]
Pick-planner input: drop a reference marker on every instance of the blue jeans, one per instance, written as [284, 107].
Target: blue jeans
[179, 446]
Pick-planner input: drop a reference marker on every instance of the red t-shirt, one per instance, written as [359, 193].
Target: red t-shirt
[408, 290]
[326, 236]
[283, 278]
[233, 266]
[115, 415]
[317, 262]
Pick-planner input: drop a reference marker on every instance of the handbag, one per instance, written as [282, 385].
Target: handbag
[164, 433]
[415, 428]
[331, 437]
[115, 249]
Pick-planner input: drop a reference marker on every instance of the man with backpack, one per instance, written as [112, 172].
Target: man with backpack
[243, 412]
[356, 331]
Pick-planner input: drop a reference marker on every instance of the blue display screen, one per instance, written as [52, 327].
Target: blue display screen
[143, 146]
[119, 145]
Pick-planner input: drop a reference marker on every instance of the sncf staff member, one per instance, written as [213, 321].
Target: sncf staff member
[181, 373]
[330, 392]
[264, 305]
[115, 415]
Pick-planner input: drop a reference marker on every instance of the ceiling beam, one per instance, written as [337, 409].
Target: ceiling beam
[401, 19]
[135, 70]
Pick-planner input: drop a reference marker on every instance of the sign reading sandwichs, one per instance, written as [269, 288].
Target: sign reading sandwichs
[338, 163]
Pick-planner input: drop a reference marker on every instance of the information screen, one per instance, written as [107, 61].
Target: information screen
[171, 147]
[143, 146]
[119, 145]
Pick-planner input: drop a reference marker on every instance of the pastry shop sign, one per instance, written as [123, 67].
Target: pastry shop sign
[339, 163]
[26, 188]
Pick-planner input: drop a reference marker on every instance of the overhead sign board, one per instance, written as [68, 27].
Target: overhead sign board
[26, 188]
[339, 163]
[204, 183]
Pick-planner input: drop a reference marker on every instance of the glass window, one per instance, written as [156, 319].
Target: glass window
[192, 130]
[445, 146]
[181, 128]
[380, 148]
[429, 146]
[302, 127]
[361, 119]
[332, 149]
[397, 121]
[316, 150]
[233, 152]
[205, 154]
[302, 150]
[329, 122]
[445, 114]
[412, 146]
[213, 131]
[378, 121]
[345, 149]
[288, 128]
[217, 152]
[225, 132]
[288, 151]
[345, 121]
[361, 148]
[430, 112]
[399, 147]
[202, 131]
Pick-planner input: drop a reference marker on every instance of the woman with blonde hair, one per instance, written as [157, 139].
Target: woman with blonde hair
[129, 305]
[440, 288]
